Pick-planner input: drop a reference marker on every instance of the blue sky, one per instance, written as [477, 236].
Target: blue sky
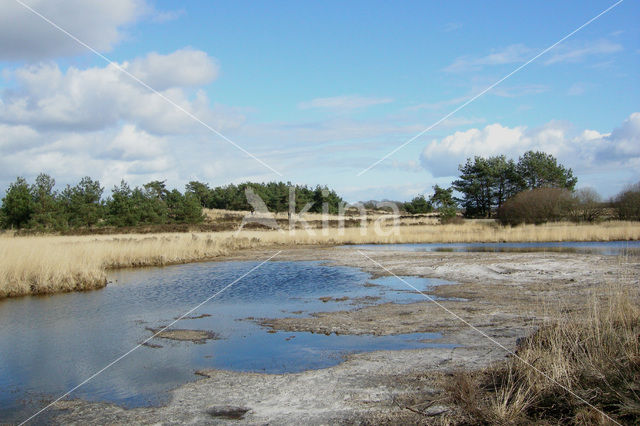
[318, 91]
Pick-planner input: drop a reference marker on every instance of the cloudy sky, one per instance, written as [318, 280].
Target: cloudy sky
[315, 93]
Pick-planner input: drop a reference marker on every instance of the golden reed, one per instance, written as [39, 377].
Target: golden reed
[49, 264]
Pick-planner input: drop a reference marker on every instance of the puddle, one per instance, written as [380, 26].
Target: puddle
[609, 248]
[49, 344]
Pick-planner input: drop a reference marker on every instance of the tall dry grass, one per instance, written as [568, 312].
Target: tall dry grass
[468, 232]
[592, 356]
[47, 264]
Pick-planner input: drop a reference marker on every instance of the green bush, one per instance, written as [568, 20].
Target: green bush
[419, 205]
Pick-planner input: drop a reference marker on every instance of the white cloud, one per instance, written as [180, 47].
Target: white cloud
[185, 67]
[347, 102]
[14, 137]
[517, 91]
[511, 54]
[438, 105]
[45, 97]
[577, 54]
[519, 53]
[168, 15]
[100, 122]
[98, 23]
[107, 155]
[131, 143]
[588, 150]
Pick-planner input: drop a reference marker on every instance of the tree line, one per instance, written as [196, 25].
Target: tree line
[40, 206]
[534, 189]
[275, 195]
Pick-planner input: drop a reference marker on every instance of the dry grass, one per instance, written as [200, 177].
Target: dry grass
[217, 214]
[47, 264]
[593, 356]
[469, 232]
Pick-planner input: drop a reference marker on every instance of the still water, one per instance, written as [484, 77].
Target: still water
[49, 344]
[609, 248]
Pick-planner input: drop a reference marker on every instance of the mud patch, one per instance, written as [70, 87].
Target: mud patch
[194, 317]
[333, 299]
[227, 412]
[183, 335]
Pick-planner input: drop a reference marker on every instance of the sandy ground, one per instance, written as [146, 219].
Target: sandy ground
[499, 298]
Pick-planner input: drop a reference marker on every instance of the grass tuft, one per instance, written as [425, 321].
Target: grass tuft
[593, 356]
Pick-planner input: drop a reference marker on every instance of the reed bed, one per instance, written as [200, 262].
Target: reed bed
[468, 232]
[48, 264]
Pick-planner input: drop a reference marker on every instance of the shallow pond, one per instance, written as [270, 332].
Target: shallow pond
[610, 248]
[49, 344]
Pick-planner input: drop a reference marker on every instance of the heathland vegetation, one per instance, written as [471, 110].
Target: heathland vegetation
[535, 190]
[49, 264]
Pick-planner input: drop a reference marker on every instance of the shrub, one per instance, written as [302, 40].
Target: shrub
[536, 206]
[586, 206]
[419, 205]
[627, 203]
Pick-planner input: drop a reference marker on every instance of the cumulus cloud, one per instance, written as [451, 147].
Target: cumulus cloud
[100, 122]
[47, 98]
[133, 144]
[98, 23]
[347, 102]
[586, 150]
[185, 67]
[107, 155]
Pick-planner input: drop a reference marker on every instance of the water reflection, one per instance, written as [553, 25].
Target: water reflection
[609, 248]
[49, 344]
